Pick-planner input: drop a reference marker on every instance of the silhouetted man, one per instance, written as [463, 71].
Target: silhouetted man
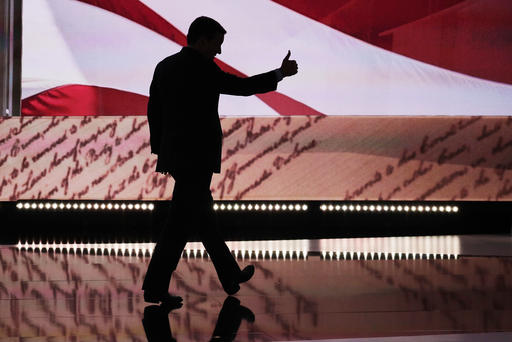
[186, 135]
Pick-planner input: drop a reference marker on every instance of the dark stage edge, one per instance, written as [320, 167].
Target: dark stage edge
[320, 220]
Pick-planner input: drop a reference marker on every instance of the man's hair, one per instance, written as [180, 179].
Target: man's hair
[203, 27]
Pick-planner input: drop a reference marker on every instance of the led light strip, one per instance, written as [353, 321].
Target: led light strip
[84, 206]
[384, 248]
[384, 256]
[260, 206]
[386, 208]
[145, 249]
[295, 249]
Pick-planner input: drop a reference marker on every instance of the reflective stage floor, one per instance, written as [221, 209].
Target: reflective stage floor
[450, 288]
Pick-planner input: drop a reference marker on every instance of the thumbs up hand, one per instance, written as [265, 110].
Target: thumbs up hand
[288, 67]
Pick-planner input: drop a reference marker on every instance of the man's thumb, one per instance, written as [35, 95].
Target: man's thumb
[288, 55]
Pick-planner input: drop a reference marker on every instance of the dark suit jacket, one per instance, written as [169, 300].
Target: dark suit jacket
[184, 123]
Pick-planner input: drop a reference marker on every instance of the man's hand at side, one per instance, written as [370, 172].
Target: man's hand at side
[288, 67]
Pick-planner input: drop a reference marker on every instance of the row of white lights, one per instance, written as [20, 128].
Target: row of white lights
[384, 256]
[84, 206]
[145, 249]
[392, 248]
[391, 208]
[261, 207]
[105, 248]
[122, 250]
[246, 207]
[250, 254]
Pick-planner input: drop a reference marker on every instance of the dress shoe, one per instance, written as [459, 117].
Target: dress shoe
[165, 298]
[233, 287]
[246, 274]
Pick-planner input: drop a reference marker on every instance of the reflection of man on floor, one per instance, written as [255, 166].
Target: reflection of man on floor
[187, 137]
[158, 328]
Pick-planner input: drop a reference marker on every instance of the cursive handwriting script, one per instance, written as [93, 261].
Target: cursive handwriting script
[109, 158]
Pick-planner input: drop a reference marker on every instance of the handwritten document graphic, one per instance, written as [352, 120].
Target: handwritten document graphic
[281, 158]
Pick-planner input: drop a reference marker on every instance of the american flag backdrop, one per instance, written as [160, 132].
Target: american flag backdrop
[394, 100]
[356, 57]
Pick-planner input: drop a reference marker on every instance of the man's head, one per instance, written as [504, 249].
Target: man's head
[206, 35]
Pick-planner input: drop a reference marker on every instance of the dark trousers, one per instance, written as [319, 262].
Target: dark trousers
[191, 214]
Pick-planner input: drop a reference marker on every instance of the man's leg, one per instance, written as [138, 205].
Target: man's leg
[225, 264]
[167, 253]
[192, 190]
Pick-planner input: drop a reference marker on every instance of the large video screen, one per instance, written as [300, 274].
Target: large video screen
[358, 57]
[394, 100]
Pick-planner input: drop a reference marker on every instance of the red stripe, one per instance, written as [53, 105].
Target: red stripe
[75, 99]
[92, 100]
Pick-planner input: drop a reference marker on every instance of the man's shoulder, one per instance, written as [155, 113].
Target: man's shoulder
[170, 60]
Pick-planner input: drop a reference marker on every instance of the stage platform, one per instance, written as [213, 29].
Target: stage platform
[435, 288]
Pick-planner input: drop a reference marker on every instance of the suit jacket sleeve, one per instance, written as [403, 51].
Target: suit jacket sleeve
[245, 86]
[154, 117]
